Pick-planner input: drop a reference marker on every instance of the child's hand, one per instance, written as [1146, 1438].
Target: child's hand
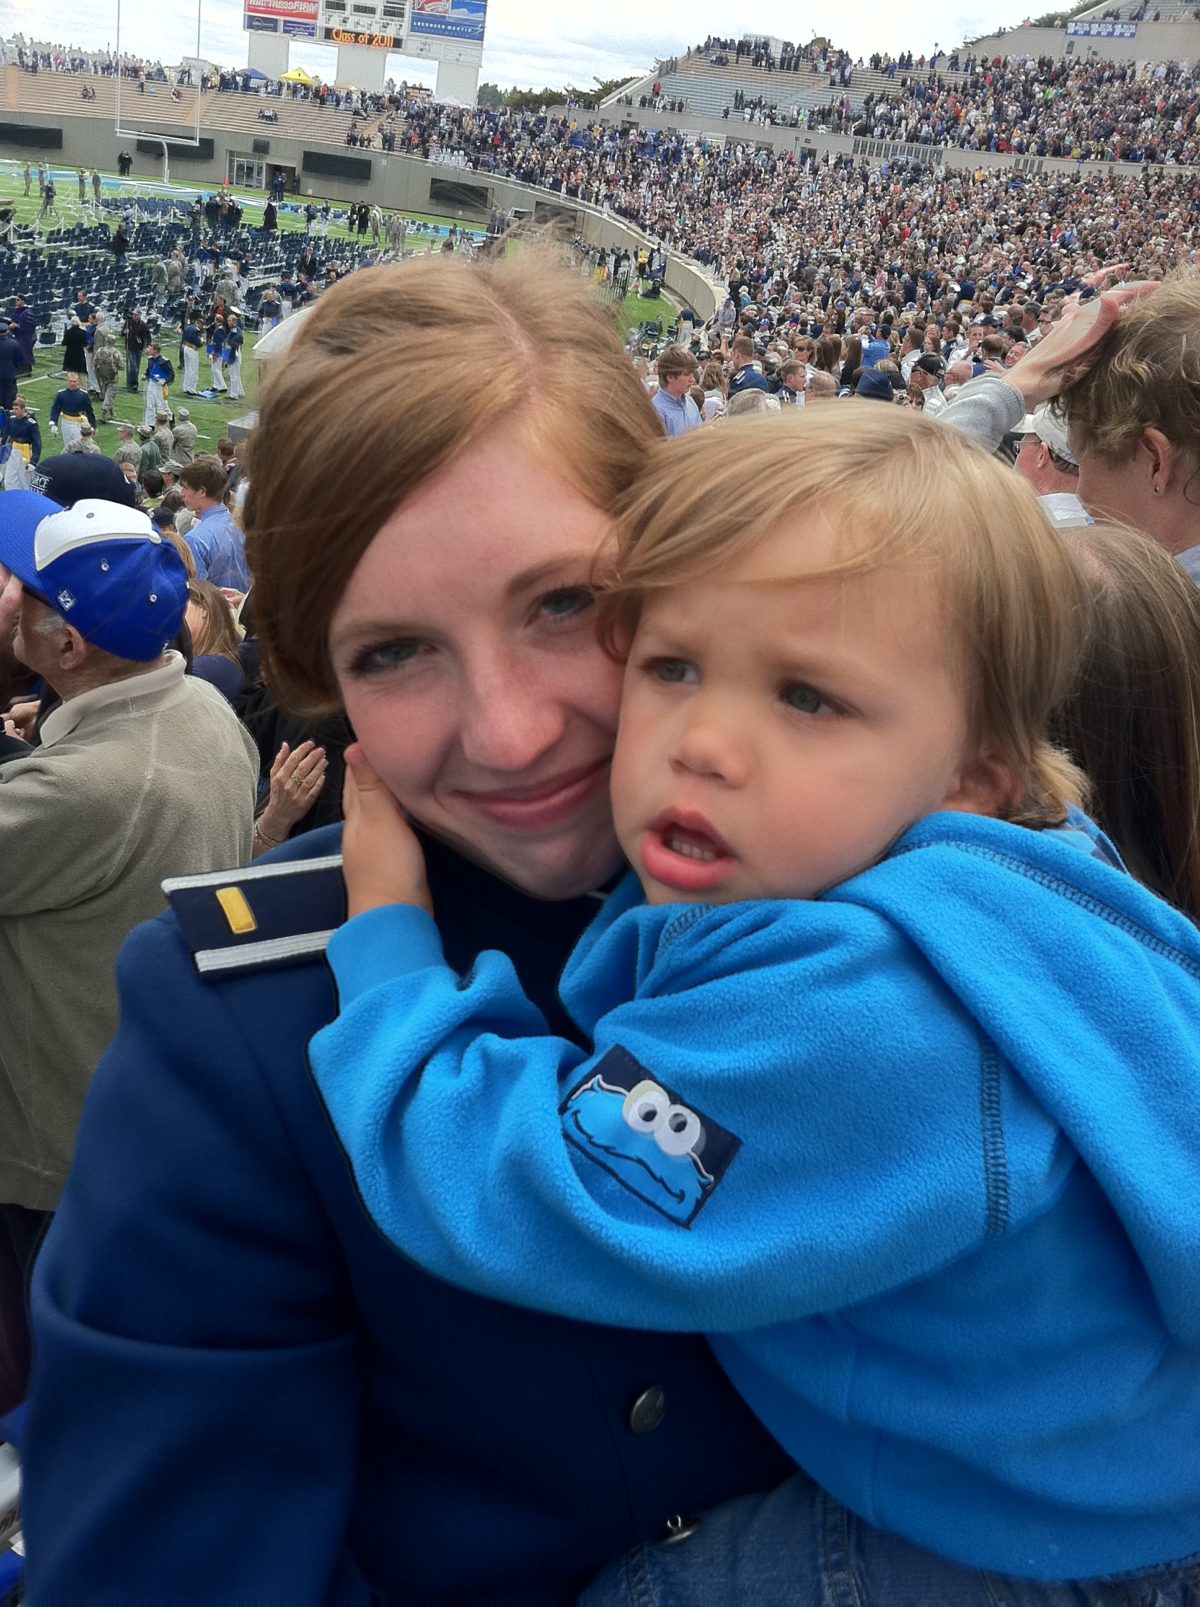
[382, 860]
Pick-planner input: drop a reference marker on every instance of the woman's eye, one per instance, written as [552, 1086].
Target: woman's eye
[389, 656]
[806, 699]
[674, 671]
[567, 602]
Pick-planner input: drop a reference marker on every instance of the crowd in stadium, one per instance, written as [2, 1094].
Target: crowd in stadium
[754, 212]
[600, 941]
[42, 56]
[1081, 109]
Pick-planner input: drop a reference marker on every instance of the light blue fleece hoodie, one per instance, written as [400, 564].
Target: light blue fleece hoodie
[921, 1156]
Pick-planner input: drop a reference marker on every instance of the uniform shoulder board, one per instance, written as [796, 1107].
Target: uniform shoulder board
[262, 916]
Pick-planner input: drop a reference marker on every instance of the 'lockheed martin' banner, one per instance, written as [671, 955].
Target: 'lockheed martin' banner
[448, 19]
[1103, 30]
[295, 17]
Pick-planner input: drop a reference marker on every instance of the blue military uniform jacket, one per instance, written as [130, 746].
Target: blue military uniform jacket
[242, 1392]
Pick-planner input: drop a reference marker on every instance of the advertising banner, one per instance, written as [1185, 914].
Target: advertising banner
[295, 17]
[1103, 30]
[448, 19]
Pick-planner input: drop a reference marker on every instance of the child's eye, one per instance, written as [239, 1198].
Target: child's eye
[674, 671]
[567, 602]
[806, 699]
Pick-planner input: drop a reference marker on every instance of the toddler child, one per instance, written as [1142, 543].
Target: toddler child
[888, 1077]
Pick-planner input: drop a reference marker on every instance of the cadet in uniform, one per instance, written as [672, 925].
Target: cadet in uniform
[471, 1451]
[227, 1349]
[71, 407]
[191, 342]
[22, 433]
[159, 374]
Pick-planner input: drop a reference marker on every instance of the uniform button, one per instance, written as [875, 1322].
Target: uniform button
[648, 1411]
[679, 1528]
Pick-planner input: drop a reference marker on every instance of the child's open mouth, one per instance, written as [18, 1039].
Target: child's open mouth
[682, 851]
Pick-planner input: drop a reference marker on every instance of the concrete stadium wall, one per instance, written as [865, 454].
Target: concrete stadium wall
[762, 135]
[399, 183]
[1153, 42]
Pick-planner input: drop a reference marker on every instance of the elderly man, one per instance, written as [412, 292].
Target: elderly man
[1045, 458]
[142, 773]
[925, 378]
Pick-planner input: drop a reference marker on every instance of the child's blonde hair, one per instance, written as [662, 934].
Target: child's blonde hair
[902, 490]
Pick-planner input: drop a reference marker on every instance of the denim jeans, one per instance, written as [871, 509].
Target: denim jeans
[798, 1547]
[133, 368]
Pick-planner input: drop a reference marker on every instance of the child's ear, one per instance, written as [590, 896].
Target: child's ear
[985, 785]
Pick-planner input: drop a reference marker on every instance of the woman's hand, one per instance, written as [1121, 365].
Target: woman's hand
[297, 777]
[381, 858]
[1069, 350]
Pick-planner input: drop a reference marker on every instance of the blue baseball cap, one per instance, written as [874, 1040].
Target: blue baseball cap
[72, 476]
[103, 567]
[873, 385]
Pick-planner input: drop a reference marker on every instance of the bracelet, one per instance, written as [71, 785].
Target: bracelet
[267, 842]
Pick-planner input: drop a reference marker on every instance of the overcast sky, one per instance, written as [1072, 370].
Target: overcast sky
[528, 42]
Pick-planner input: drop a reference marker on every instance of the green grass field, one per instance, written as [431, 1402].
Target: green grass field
[210, 418]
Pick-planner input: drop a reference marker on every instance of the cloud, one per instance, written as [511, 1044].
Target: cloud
[528, 42]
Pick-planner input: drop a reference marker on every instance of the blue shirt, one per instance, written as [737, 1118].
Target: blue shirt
[219, 549]
[678, 413]
[748, 378]
[919, 1155]
[875, 352]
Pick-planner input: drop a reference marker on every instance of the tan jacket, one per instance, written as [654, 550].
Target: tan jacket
[136, 781]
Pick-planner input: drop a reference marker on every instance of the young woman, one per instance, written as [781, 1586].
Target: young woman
[225, 1321]
[214, 639]
[1133, 718]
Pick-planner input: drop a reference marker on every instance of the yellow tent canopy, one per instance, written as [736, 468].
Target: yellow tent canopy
[296, 76]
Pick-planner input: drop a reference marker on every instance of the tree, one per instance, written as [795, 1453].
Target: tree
[489, 95]
[609, 86]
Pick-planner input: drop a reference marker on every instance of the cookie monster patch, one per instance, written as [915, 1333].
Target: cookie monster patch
[642, 1133]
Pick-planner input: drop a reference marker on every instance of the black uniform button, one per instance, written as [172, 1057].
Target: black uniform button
[648, 1411]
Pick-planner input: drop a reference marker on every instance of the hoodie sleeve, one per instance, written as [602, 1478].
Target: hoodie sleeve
[754, 1137]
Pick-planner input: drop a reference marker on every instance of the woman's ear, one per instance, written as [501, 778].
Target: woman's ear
[1157, 460]
[985, 785]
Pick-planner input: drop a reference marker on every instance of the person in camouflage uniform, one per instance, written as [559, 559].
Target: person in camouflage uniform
[128, 450]
[185, 437]
[163, 435]
[108, 363]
